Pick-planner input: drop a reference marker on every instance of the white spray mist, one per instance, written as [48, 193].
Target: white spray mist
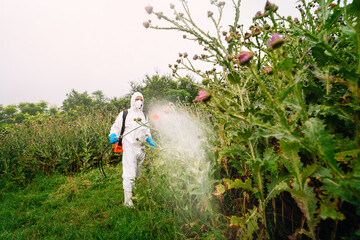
[184, 153]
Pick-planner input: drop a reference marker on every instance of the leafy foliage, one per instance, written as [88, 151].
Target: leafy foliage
[285, 106]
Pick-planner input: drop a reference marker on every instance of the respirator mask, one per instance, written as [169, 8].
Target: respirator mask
[138, 104]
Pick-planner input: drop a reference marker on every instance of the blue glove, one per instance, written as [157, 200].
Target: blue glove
[113, 138]
[150, 141]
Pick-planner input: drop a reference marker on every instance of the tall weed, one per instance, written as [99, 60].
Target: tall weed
[61, 145]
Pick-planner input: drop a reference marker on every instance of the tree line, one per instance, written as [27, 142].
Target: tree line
[154, 88]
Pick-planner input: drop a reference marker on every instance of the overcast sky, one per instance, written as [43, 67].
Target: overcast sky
[49, 47]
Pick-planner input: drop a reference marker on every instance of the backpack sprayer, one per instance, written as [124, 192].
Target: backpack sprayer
[117, 146]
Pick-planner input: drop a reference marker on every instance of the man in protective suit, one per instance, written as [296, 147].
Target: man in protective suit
[134, 136]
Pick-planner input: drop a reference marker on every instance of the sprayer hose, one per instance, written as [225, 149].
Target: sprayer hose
[100, 162]
[107, 147]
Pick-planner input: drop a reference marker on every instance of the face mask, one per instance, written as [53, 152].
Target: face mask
[138, 104]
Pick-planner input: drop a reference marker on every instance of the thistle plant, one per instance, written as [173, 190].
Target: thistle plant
[284, 100]
[56, 145]
[181, 167]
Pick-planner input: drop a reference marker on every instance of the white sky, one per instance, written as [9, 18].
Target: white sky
[48, 47]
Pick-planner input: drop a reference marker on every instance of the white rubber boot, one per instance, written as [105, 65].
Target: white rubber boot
[128, 202]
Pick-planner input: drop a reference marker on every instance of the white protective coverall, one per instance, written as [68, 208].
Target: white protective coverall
[133, 155]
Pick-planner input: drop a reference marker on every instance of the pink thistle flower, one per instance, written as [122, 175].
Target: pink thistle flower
[267, 70]
[258, 15]
[179, 16]
[267, 5]
[213, 149]
[210, 14]
[149, 9]
[270, 6]
[247, 35]
[146, 24]
[275, 41]
[205, 81]
[203, 96]
[244, 58]
[228, 38]
[159, 15]
[255, 31]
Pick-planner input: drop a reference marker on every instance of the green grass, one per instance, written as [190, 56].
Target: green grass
[85, 206]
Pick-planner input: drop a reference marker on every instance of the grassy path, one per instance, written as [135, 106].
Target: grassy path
[85, 206]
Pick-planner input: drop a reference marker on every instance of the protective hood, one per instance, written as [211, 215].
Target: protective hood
[133, 105]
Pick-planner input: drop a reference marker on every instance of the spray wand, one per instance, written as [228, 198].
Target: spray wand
[117, 148]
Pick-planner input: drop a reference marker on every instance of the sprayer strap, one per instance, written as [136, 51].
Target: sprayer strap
[125, 112]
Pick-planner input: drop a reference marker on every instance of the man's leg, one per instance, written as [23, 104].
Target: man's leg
[129, 174]
[140, 161]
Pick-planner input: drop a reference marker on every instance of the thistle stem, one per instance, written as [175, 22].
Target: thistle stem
[241, 97]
